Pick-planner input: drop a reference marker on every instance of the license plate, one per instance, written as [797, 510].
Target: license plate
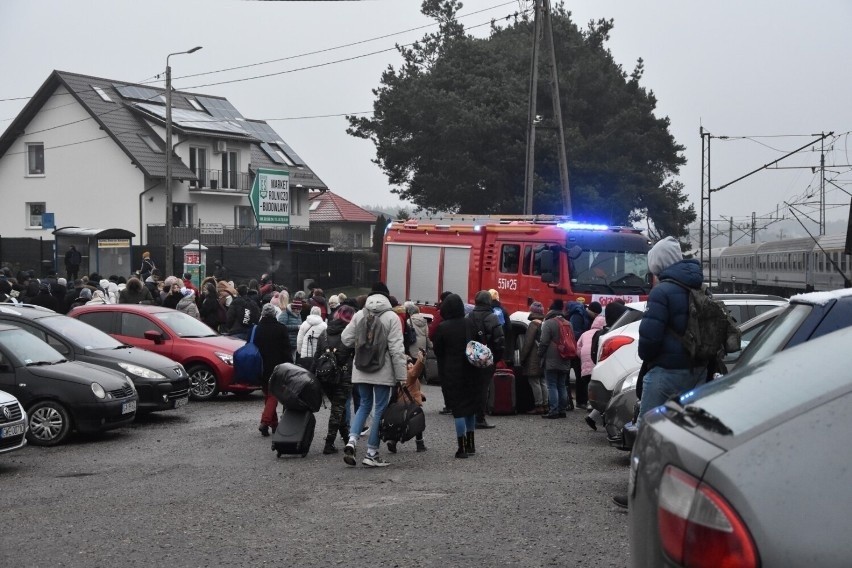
[128, 407]
[10, 431]
[181, 402]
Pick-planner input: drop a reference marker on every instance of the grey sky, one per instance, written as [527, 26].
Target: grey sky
[755, 68]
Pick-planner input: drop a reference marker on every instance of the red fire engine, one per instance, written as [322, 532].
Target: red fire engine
[539, 259]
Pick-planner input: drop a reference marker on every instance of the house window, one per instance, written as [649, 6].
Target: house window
[230, 168]
[183, 214]
[101, 93]
[35, 159]
[198, 165]
[34, 213]
[244, 216]
[358, 240]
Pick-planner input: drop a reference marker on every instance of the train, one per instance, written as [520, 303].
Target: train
[785, 267]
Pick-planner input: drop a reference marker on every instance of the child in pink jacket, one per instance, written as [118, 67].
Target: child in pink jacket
[584, 345]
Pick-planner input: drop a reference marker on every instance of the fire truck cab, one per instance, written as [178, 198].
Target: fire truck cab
[525, 260]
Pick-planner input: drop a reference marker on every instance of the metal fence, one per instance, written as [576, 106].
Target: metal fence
[237, 236]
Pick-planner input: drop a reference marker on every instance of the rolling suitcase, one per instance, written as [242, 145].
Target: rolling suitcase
[295, 433]
[501, 395]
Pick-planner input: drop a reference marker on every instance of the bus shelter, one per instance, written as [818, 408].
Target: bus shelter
[105, 251]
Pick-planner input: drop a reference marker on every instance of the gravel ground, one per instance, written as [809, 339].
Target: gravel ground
[201, 487]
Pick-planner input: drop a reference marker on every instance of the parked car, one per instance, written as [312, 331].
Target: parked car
[206, 355]
[750, 470]
[618, 350]
[58, 395]
[160, 383]
[624, 405]
[13, 424]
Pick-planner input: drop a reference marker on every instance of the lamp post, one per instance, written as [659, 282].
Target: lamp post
[170, 261]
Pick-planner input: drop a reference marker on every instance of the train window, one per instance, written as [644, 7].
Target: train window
[509, 257]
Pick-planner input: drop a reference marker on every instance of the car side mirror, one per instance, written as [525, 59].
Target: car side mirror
[154, 336]
[575, 252]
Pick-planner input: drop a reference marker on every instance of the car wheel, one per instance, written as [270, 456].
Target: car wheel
[202, 383]
[50, 423]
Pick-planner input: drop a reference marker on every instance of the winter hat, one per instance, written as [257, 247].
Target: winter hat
[663, 254]
[86, 293]
[333, 302]
[296, 306]
[613, 311]
[344, 313]
[482, 298]
[557, 305]
[537, 308]
[316, 311]
[268, 311]
[495, 295]
[595, 308]
[62, 282]
[186, 291]
[103, 283]
[380, 288]
[411, 308]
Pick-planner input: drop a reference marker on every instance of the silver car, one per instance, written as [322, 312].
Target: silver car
[13, 423]
[751, 469]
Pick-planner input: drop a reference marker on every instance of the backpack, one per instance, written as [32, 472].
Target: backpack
[371, 343]
[248, 363]
[476, 352]
[567, 345]
[709, 327]
[326, 368]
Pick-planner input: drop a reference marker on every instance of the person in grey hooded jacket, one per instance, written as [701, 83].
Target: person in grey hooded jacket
[374, 387]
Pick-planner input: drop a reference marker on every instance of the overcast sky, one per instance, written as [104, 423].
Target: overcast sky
[760, 68]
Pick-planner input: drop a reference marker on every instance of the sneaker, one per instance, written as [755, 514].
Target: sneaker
[374, 461]
[591, 422]
[365, 430]
[349, 454]
[620, 500]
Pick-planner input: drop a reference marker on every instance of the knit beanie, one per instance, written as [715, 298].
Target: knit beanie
[537, 308]
[380, 288]
[663, 254]
[595, 307]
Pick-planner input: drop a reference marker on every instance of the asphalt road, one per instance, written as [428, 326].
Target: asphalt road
[200, 487]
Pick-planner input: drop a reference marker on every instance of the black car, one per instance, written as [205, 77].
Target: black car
[160, 382]
[60, 395]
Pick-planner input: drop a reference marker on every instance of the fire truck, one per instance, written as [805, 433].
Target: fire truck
[524, 259]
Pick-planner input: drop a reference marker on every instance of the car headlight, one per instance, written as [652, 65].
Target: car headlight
[629, 383]
[98, 390]
[143, 372]
[227, 358]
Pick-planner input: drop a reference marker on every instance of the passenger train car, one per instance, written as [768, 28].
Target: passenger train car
[781, 267]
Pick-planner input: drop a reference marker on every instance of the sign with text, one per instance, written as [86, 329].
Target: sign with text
[270, 196]
[113, 243]
[212, 228]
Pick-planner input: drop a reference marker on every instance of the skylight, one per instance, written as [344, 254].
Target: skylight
[101, 93]
[152, 144]
[314, 205]
[195, 104]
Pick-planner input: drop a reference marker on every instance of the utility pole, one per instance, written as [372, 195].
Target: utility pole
[822, 185]
[753, 226]
[543, 22]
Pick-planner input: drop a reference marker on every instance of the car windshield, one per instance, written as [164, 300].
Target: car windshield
[610, 272]
[776, 335]
[184, 325]
[27, 349]
[80, 333]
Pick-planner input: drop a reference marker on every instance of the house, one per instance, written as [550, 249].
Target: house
[350, 227]
[91, 151]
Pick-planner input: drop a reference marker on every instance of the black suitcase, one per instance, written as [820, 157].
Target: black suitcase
[295, 433]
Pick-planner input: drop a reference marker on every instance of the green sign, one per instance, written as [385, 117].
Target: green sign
[270, 197]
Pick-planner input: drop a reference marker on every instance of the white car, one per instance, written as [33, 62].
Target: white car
[618, 350]
[13, 424]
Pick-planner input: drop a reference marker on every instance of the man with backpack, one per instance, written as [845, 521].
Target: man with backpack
[555, 350]
[379, 362]
[490, 332]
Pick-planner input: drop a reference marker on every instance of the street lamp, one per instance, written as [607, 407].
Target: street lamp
[170, 261]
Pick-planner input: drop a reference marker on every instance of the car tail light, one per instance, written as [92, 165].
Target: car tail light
[698, 528]
[613, 344]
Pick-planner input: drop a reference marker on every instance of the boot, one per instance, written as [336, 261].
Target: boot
[470, 443]
[421, 446]
[329, 446]
[461, 453]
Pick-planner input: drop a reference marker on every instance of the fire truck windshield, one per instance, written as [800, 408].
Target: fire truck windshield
[609, 272]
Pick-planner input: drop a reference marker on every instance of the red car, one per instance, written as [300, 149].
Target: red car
[206, 355]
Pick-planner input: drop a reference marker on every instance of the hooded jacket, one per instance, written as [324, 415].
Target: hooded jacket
[578, 316]
[485, 320]
[293, 321]
[135, 293]
[529, 354]
[308, 336]
[394, 368]
[242, 314]
[188, 306]
[584, 346]
[667, 311]
[421, 328]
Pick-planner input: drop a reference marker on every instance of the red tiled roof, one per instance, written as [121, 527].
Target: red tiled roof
[333, 208]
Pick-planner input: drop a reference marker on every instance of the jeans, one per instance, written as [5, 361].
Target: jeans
[539, 390]
[661, 384]
[464, 425]
[557, 391]
[370, 394]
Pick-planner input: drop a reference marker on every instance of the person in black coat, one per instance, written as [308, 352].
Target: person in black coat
[209, 309]
[273, 342]
[242, 314]
[492, 335]
[338, 394]
[44, 298]
[459, 382]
